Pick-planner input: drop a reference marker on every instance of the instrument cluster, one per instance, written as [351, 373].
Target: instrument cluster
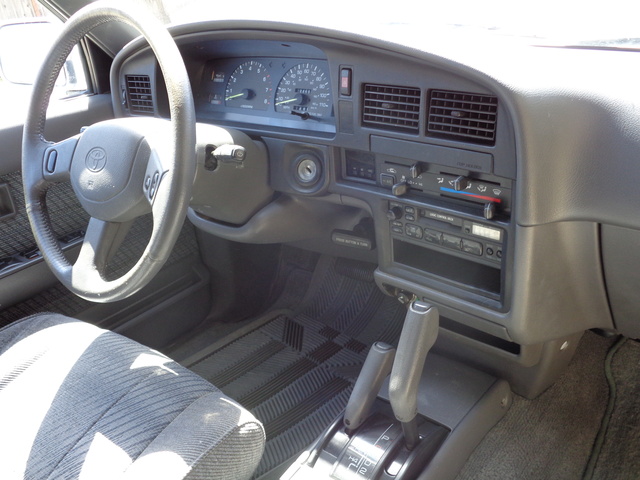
[268, 89]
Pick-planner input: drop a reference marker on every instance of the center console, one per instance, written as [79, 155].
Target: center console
[447, 217]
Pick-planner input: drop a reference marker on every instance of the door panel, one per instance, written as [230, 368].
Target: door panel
[65, 118]
[22, 273]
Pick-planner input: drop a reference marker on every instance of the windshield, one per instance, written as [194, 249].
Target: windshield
[567, 22]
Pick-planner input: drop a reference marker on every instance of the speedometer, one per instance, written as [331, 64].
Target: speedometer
[305, 91]
[249, 86]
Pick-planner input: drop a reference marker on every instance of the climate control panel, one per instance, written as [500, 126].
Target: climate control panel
[402, 179]
[488, 194]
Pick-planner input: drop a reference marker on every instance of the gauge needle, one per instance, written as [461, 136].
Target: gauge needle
[287, 101]
[235, 96]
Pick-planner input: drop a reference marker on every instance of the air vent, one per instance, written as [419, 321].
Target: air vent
[139, 92]
[463, 116]
[389, 107]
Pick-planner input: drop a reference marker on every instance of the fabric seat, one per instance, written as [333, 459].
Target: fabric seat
[77, 401]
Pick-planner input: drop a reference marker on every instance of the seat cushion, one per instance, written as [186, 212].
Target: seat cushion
[77, 401]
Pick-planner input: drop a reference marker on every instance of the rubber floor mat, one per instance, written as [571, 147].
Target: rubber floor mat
[60, 300]
[295, 371]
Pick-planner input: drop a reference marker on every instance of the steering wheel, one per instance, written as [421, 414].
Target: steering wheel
[119, 169]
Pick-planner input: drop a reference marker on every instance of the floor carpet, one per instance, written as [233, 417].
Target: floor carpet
[619, 455]
[555, 436]
[294, 368]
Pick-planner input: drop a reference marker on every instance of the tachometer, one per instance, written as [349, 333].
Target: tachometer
[305, 91]
[249, 86]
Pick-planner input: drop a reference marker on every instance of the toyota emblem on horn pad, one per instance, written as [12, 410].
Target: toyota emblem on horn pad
[96, 159]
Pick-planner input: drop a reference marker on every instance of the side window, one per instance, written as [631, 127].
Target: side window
[27, 31]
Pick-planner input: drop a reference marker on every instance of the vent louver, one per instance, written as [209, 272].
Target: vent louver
[463, 116]
[139, 93]
[391, 107]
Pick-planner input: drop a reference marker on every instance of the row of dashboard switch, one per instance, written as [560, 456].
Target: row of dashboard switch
[396, 212]
[438, 238]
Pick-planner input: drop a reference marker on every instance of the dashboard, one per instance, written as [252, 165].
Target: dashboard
[471, 184]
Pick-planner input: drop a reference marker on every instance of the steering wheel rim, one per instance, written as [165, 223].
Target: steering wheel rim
[168, 202]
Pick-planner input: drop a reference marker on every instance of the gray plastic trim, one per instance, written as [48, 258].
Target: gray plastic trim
[622, 271]
[286, 219]
[465, 400]
[451, 157]
[463, 440]
[448, 390]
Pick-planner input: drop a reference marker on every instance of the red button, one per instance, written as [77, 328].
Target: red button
[345, 82]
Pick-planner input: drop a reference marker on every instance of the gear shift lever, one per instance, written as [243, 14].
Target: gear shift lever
[375, 369]
[418, 335]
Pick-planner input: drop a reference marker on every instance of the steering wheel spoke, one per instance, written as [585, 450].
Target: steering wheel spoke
[100, 244]
[56, 160]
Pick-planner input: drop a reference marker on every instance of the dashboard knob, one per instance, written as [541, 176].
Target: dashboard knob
[400, 189]
[460, 183]
[394, 213]
[416, 170]
[489, 210]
